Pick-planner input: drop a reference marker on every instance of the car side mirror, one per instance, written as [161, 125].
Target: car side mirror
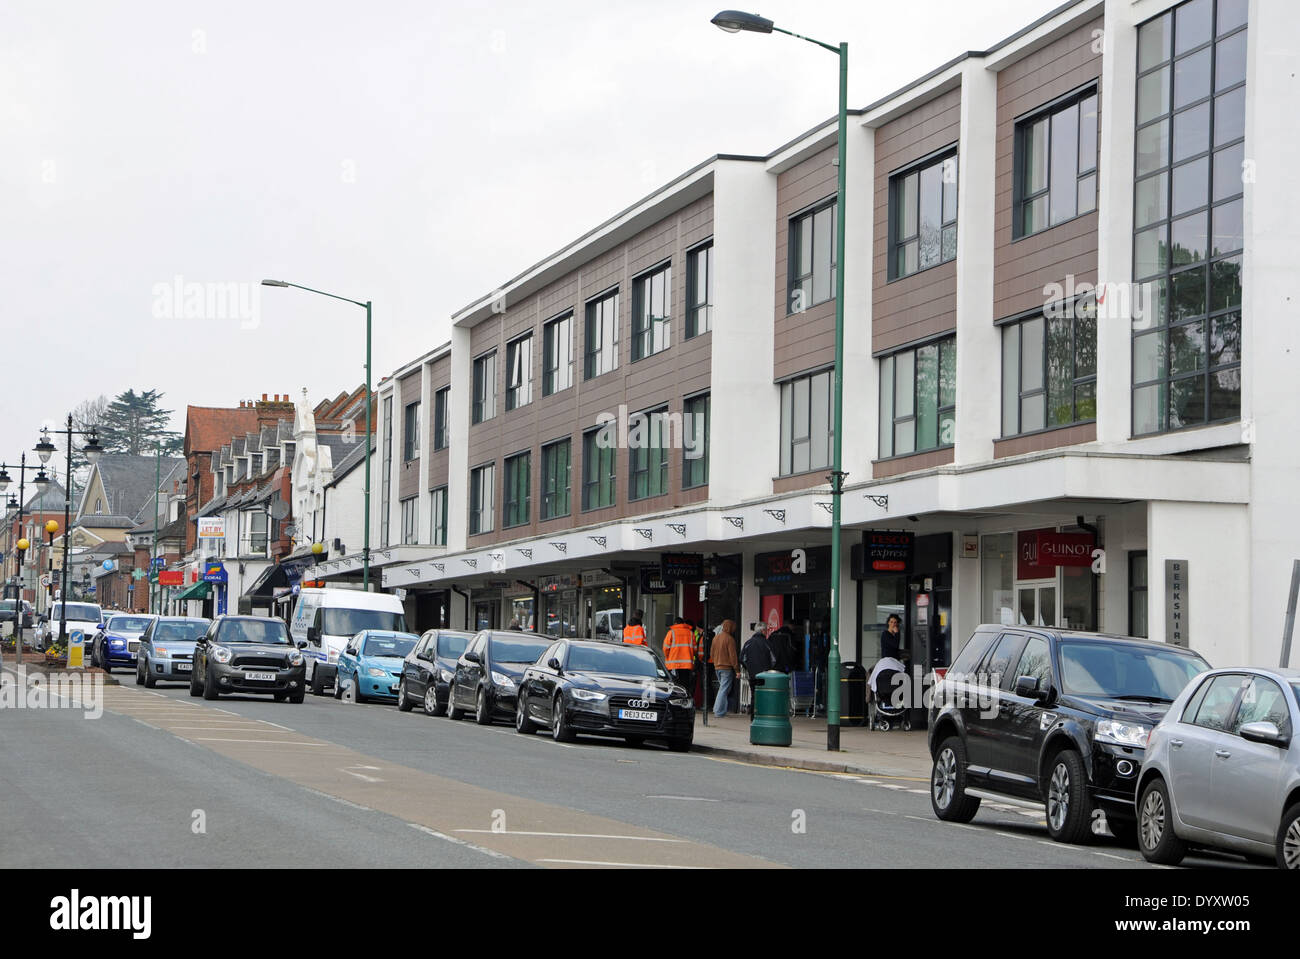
[553, 663]
[1264, 732]
[302, 644]
[100, 626]
[1031, 687]
[473, 658]
[313, 636]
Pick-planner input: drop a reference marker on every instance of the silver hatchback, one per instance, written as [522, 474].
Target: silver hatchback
[1222, 769]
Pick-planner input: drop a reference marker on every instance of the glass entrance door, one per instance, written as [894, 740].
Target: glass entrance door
[1036, 604]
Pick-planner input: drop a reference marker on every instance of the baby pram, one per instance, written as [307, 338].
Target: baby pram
[888, 707]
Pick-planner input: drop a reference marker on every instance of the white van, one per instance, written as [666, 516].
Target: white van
[327, 619]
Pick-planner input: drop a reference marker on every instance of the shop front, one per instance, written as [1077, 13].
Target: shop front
[485, 608]
[795, 592]
[559, 595]
[517, 608]
[1040, 577]
[432, 609]
[601, 605]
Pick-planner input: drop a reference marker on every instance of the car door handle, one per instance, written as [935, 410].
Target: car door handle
[1176, 743]
[1222, 753]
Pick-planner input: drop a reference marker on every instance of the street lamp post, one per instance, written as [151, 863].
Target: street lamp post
[735, 21]
[365, 550]
[41, 481]
[93, 451]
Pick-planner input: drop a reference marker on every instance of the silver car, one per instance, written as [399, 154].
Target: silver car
[1222, 769]
[167, 649]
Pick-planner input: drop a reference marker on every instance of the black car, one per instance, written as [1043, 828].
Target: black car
[606, 689]
[1055, 716]
[429, 669]
[248, 654]
[488, 672]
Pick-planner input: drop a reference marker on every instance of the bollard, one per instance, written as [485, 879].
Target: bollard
[771, 723]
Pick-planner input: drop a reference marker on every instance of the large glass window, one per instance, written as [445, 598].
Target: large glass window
[648, 457]
[699, 290]
[482, 491]
[1137, 594]
[598, 472]
[812, 258]
[254, 538]
[411, 520]
[806, 423]
[918, 399]
[556, 467]
[1056, 164]
[519, 372]
[411, 432]
[518, 489]
[602, 336]
[1049, 369]
[695, 434]
[1188, 232]
[651, 309]
[557, 355]
[923, 216]
[485, 387]
[440, 413]
[438, 530]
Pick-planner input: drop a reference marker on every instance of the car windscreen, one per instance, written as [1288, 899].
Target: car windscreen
[270, 632]
[349, 622]
[451, 645]
[614, 661]
[394, 646]
[129, 624]
[512, 649]
[179, 632]
[1138, 673]
[81, 612]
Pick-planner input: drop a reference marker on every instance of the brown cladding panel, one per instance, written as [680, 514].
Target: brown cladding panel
[439, 377]
[805, 340]
[925, 303]
[907, 464]
[1023, 269]
[1047, 440]
[408, 473]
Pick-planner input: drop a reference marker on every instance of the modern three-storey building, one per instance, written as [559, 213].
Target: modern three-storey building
[1071, 368]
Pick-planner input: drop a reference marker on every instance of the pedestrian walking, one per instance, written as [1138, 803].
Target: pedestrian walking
[725, 661]
[756, 657]
[634, 632]
[679, 653]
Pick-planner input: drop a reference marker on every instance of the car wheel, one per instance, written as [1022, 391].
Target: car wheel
[1069, 812]
[104, 664]
[209, 687]
[682, 744]
[298, 697]
[523, 725]
[139, 672]
[1288, 839]
[1155, 826]
[431, 701]
[560, 730]
[280, 697]
[948, 796]
[150, 680]
[338, 687]
[403, 704]
[318, 682]
[482, 715]
[453, 711]
[357, 697]
[194, 684]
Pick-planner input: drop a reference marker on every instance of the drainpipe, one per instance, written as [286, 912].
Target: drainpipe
[537, 600]
[456, 589]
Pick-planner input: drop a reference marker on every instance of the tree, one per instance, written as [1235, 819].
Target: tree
[85, 415]
[134, 423]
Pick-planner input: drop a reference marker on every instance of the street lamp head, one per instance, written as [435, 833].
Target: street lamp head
[734, 21]
[274, 283]
[92, 449]
[42, 481]
[5, 480]
[52, 527]
[12, 505]
[317, 548]
[44, 448]
[22, 544]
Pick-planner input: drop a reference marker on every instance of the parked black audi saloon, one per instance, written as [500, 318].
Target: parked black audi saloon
[429, 669]
[487, 673]
[606, 689]
[248, 654]
[1056, 716]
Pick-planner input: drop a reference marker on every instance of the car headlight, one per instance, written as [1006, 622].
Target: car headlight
[445, 675]
[117, 642]
[588, 695]
[683, 702]
[295, 659]
[1122, 734]
[161, 651]
[220, 654]
[502, 680]
[374, 673]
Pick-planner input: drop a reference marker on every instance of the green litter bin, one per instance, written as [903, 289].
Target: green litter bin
[771, 723]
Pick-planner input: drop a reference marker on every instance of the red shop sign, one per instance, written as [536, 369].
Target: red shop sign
[1042, 550]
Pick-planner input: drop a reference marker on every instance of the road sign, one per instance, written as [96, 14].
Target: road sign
[45, 581]
[76, 649]
[158, 562]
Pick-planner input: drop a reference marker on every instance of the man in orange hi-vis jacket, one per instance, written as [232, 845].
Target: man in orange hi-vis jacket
[634, 632]
[680, 653]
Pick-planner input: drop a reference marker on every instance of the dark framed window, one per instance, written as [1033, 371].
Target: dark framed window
[411, 520]
[1137, 594]
[652, 313]
[699, 290]
[438, 516]
[519, 372]
[695, 434]
[923, 215]
[599, 472]
[1049, 369]
[918, 398]
[1187, 216]
[807, 425]
[386, 482]
[482, 498]
[440, 413]
[557, 460]
[557, 355]
[517, 490]
[812, 257]
[485, 387]
[1056, 163]
[411, 432]
[647, 470]
[602, 336]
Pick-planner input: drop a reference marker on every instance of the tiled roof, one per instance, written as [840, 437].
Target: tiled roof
[129, 480]
[207, 428]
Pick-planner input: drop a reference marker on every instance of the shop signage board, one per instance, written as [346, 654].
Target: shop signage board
[888, 551]
[171, 577]
[1041, 551]
[211, 527]
[797, 570]
[214, 573]
[553, 584]
[1176, 619]
[653, 583]
[681, 567]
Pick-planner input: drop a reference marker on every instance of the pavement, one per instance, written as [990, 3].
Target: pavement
[863, 751]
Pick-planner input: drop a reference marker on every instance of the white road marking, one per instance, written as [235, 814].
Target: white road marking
[569, 835]
[920, 792]
[362, 776]
[260, 742]
[460, 842]
[338, 799]
[1109, 856]
[685, 798]
[619, 865]
[143, 723]
[1012, 835]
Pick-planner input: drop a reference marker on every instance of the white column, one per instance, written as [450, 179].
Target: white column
[425, 501]
[861, 392]
[458, 416]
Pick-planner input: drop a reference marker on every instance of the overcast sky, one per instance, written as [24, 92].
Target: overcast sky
[416, 154]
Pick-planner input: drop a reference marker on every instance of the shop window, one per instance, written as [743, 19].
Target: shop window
[812, 258]
[1056, 163]
[557, 355]
[485, 387]
[918, 399]
[651, 313]
[1137, 594]
[519, 372]
[517, 490]
[807, 428]
[695, 432]
[1049, 369]
[601, 354]
[699, 290]
[923, 216]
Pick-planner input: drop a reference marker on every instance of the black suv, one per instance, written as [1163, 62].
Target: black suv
[1055, 716]
[248, 654]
